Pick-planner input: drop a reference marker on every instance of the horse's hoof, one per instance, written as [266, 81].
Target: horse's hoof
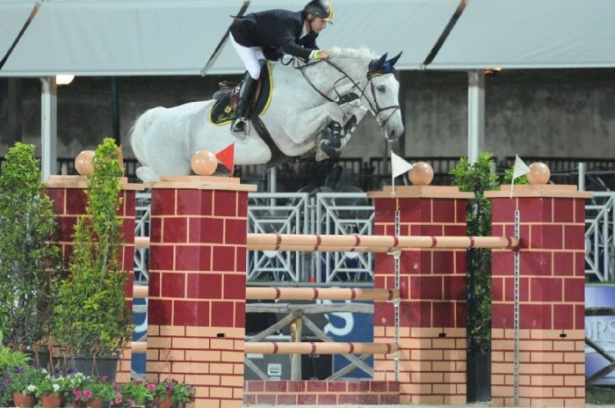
[351, 125]
[327, 148]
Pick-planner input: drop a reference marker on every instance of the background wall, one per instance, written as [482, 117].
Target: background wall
[563, 113]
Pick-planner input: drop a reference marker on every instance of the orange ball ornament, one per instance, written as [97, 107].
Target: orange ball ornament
[421, 174]
[84, 162]
[539, 173]
[204, 163]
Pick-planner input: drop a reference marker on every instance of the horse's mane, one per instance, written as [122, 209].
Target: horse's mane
[354, 53]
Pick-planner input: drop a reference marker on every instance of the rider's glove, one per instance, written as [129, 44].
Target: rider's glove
[319, 54]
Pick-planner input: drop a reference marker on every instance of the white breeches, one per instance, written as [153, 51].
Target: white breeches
[249, 56]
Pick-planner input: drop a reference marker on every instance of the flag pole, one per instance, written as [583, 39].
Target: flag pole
[392, 171]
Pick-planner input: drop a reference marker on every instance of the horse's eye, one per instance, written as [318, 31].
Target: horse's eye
[381, 88]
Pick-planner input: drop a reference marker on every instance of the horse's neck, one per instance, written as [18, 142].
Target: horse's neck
[329, 79]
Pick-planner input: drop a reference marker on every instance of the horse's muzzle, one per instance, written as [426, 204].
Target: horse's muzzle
[392, 133]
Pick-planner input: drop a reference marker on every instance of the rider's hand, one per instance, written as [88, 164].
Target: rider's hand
[319, 55]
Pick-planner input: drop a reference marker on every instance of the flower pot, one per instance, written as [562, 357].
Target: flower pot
[23, 400]
[478, 376]
[163, 402]
[98, 367]
[95, 402]
[50, 400]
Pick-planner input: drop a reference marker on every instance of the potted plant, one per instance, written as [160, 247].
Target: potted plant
[27, 255]
[478, 177]
[9, 360]
[71, 381]
[23, 383]
[91, 320]
[170, 392]
[49, 391]
[95, 391]
[137, 393]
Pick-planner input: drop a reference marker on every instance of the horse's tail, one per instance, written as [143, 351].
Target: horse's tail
[138, 134]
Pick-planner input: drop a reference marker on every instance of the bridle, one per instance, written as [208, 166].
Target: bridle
[374, 107]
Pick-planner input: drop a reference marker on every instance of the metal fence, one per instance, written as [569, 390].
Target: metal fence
[353, 213]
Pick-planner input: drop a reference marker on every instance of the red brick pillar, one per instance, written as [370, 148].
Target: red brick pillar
[69, 203]
[196, 315]
[551, 352]
[432, 333]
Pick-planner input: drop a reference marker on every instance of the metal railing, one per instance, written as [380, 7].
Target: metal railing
[352, 213]
[599, 244]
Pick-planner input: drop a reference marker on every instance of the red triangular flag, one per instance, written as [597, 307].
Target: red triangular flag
[227, 157]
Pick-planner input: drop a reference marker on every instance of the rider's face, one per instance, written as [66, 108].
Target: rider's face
[317, 24]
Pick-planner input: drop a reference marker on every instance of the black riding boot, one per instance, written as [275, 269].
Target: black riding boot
[239, 126]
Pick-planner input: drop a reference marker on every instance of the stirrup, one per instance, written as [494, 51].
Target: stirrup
[239, 128]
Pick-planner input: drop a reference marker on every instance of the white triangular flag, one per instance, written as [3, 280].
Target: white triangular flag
[519, 168]
[398, 165]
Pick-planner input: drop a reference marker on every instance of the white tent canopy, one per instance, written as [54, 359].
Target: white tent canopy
[531, 34]
[13, 15]
[177, 37]
[411, 26]
[119, 37]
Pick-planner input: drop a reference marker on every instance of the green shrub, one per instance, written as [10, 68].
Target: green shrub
[27, 256]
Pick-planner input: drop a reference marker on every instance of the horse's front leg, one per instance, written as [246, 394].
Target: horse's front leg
[335, 137]
[353, 116]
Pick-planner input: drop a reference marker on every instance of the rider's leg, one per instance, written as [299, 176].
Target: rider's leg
[239, 126]
[250, 57]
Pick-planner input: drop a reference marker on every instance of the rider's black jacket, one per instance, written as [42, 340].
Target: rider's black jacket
[277, 31]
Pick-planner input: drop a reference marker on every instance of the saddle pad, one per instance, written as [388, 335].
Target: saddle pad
[222, 112]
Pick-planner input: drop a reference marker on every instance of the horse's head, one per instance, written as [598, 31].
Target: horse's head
[382, 96]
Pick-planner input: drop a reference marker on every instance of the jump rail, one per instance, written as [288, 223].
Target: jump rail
[361, 243]
[320, 348]
[321, 293]
[370, 243]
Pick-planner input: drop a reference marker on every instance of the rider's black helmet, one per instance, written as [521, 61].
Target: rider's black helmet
[320, 8]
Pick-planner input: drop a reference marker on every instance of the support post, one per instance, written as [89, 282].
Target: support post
[540, 361]
[432, 312]
[476, 114]
[49, 132]
[196, 328]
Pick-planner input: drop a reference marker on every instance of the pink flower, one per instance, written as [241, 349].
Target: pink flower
[151, 387]
[88, 394]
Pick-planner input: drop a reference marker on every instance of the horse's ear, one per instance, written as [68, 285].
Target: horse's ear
[377, 65]
[393, 60]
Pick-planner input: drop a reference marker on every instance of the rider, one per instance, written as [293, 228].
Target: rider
[268, 35]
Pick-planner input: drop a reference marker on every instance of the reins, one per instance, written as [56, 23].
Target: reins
[375, 107]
